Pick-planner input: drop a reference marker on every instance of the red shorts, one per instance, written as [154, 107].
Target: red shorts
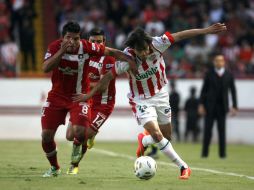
[99, 114]
[56, 108]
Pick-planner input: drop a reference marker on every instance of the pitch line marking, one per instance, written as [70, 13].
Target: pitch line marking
[113, 154]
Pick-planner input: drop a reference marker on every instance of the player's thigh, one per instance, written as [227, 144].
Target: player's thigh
[52, 116]
[164, 113]
[144, 113]
[98, 117]
[164, 118]
[80, 115]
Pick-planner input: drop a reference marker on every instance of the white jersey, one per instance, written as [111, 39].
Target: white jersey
[151, 75]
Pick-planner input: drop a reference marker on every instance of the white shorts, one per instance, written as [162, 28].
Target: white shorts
[156, 108]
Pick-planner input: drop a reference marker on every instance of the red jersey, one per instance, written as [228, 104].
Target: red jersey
[70, 76]
[99, 66]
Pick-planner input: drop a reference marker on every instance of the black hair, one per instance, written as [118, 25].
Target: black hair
[71, 26]
[193, 90]
[96, 32]
[172, 84]
[215, 54]
[138, 39]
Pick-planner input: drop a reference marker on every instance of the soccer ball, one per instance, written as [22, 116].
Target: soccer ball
[145, 167]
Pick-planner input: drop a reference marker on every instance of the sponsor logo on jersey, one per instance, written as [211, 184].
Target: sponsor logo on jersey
[147, 74]
[109, 66]
[95, 64]
[47, 55]
[80, 56]
[93, 76]
[68, 70]
[95, 47]
[164, 39]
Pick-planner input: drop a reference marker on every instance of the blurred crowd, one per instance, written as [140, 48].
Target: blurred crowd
[16, 37]
[187, 59]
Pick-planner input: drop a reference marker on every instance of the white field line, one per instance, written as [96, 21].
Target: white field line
[113, 154]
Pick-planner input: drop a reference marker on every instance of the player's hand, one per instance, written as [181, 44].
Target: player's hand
[79, 97]
[65, 45]
[216, 28]
[201, 110]
[233, 112]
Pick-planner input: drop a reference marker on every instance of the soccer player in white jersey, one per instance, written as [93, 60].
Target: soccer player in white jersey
[148, 93]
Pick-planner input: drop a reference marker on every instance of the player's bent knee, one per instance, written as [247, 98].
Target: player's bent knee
[69, 136]
[47, 136]
[79, 132]
[91, 133]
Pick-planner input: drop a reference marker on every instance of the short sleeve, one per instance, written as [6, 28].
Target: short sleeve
[120, 67]
[52, 49]
[161, 43]
[93, 49]
[108, 64]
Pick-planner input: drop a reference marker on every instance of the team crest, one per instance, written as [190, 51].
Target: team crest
[80, 56]
[164, 39]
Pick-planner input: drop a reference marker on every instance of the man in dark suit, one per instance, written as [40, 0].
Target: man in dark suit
[174, 99]
[192, 116]
[214, 103]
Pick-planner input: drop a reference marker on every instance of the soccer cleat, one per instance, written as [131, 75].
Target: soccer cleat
[185, 173]
[141, 149]
[73, 170]
[52, 172]
[77, 154]
[90, 142]
[154, 152]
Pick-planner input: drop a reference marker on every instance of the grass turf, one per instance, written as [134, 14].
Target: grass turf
[22, 164]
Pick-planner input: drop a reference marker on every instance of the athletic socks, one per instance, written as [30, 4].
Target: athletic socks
[51, 153]
[165, 146]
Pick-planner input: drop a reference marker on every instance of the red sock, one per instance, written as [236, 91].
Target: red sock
[51, 153]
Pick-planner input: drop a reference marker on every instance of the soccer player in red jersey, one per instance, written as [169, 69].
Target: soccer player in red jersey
[68, 58]
[148, 93]
[102, 103]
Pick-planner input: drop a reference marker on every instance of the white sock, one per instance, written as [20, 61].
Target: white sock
[165, 146]
[147, 140]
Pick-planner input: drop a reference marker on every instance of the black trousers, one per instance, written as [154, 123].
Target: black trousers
[220, 116]
[175, 123]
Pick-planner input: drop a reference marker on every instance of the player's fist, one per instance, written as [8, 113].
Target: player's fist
[216, 28]
[65, 45]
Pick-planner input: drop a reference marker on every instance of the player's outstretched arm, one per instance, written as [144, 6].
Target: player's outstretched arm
[99, 87]
[53, 61]
[122, 57]
[213, 29]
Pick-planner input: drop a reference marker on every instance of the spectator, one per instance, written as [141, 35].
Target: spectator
[8, 58]
[192, 116]
[174, 99]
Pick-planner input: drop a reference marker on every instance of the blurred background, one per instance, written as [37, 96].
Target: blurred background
[28, 26]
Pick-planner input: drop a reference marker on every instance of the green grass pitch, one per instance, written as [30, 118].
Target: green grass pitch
[109, 166]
